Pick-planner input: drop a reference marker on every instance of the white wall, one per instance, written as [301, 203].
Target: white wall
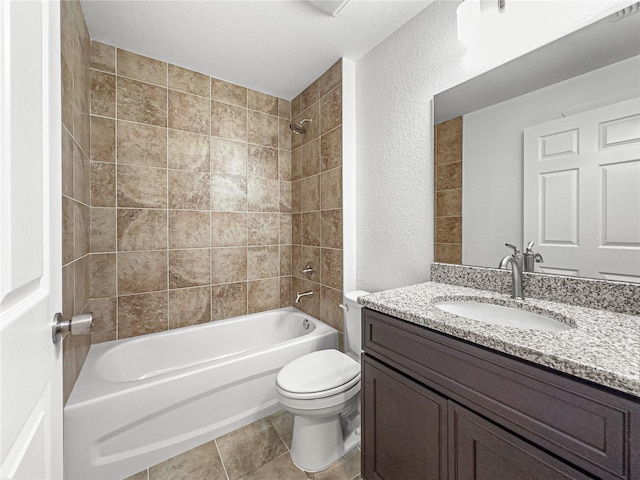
[349, 233]
[493, 154]
[395, 84]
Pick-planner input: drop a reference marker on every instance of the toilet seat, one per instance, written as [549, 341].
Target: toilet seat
[320, 406]
[318, 375]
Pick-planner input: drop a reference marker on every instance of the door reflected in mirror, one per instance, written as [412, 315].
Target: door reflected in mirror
[554, 159]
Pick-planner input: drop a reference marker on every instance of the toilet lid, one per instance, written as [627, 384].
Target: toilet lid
[318, 371]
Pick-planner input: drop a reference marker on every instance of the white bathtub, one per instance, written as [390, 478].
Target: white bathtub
[140, 401]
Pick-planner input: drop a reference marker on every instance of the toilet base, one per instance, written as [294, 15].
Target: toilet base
[317, 443]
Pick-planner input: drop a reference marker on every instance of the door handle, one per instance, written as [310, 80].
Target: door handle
[78, 325]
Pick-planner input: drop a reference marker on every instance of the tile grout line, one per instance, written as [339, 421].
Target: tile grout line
[246, 175]
[278, 433]
[211, 216]
[115, 139]
[279, 297]
[167, 200]
[320, 181]
[215, 442]
[73, 208]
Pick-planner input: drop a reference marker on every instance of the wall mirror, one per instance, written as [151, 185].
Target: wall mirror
[546, 148]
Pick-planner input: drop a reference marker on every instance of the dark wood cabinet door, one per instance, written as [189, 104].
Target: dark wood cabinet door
[479, 450]
[404, 427]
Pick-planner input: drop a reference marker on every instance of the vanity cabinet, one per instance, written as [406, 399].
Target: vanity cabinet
[407, 423]
[435, 407]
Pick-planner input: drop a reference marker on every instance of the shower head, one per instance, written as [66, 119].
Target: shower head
[298, 128]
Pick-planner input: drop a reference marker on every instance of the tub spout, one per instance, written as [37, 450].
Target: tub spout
[303, 294]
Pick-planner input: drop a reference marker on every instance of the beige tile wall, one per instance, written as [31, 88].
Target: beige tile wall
[316, 188]
[75, 45]
[190, 197]
[448, 191]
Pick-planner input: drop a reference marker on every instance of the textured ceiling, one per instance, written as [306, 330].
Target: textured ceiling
[277, 47]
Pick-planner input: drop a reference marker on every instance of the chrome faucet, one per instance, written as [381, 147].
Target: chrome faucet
[303, 294]
[515, 261]
[516, 277]
[531, 258]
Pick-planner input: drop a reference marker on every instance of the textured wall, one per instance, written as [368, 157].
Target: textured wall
[75, 45]
[396, 82]
[190, 197]
[316, 172]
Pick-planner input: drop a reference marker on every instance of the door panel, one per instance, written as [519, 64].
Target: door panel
[30, 240]
[559, 194]
[582, 192]
[623, 131]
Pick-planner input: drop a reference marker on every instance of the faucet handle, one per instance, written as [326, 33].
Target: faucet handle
[516, 250]
[308, 269]
[530, 247]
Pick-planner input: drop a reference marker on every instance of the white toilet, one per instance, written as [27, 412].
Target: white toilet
[322, 391]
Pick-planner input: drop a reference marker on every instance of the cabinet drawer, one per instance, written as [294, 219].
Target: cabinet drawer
[588, 426]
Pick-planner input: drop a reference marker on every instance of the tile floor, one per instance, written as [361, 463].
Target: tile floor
[258, 451]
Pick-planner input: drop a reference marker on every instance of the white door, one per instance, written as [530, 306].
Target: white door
[30, 240]
[582, 192]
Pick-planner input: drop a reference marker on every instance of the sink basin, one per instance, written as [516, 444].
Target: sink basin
[500, 315]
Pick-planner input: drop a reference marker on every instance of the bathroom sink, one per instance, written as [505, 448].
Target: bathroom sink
[501, 315]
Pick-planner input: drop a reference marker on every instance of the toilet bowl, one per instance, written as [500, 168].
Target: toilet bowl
[322, 391]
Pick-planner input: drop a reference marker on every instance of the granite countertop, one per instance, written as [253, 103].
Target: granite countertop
[603, 347]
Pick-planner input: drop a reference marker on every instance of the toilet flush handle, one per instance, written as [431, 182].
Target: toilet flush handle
[344, 307]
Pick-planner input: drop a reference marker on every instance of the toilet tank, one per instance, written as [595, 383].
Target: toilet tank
[353, 322]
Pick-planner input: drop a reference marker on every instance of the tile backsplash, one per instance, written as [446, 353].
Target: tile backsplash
[619, 297]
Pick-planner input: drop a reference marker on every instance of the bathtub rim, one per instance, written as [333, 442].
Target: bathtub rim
[90, 387]
[157, 341]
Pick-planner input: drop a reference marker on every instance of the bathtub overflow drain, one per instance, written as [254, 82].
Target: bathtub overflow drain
[305, 324]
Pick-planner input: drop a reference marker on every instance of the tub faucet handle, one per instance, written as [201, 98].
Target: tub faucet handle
[308, 269]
